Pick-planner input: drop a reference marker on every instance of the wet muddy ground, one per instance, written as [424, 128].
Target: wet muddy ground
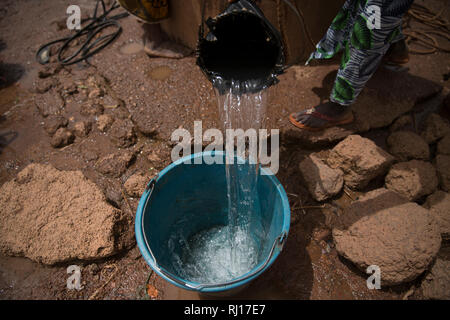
[159, 96]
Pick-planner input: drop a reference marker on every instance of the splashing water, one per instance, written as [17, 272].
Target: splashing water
[223, 253]
[206, 256]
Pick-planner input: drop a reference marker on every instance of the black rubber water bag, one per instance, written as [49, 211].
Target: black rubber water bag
[242, 50]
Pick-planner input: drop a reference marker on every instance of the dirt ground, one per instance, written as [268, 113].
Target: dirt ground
[160, 95]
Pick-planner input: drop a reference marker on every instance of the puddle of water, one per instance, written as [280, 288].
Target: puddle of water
[20, 276]
[10, 97]
[131, 48]
[160, 73]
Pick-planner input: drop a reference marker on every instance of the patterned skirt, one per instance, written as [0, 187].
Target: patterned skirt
[364, 31]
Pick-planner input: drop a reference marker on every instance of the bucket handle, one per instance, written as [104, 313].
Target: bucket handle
[278, 243]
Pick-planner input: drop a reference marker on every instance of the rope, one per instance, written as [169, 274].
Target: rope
[280, 20]
[96, 293]
[425, 16]
[93, 43]
[139, 290]
[301, 19]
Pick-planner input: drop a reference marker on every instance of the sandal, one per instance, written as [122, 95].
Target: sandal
[328, 121]
[397, 54]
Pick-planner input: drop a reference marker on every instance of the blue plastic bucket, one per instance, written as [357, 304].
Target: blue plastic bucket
[182, 192]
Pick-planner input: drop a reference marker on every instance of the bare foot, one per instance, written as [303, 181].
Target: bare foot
[157, 44]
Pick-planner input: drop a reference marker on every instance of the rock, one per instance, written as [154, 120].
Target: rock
[145, 123]
[443, 146]
[436, 284]
[153, 157]
[413, 179]
[111, 102]
[90, 155]
[366, 205]
[95, 93]
[91, 109]
[439, 205]
[104, 121]
[49, 103]
[135, 185]
[43, 85]
[49, 70]
[114, 196]
[406, 145]
[443, 171]
[360, 159]
[62, 138]
[53, 122]
[320, 138]
[388, 95]
[114, 165]
[82, 128]
[54, 216]
[67, 86]
[322, 181]
[121, 112]
[436, 127]
[122, 133]
[402, 240]
[401, 123]
[91, 269]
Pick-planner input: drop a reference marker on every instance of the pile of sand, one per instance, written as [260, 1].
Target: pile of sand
[53, 216]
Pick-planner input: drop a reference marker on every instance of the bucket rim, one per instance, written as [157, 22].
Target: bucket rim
[194, 286]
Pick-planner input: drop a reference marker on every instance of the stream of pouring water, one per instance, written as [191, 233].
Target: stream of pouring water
[242, 111]
[226, 252]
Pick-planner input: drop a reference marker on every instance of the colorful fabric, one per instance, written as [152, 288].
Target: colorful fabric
[363, 46]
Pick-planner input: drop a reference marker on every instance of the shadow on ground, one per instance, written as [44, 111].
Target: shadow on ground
[9, 72]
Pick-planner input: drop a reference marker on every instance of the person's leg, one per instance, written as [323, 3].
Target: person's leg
[153, 33]
[363, 52]
[157, 44]
[398, 52]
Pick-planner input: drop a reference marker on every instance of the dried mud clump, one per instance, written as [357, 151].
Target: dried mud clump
[54, 216]
[360, 159]
[402, 240]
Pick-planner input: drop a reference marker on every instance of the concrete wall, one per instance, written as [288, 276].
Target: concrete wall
[186, 16]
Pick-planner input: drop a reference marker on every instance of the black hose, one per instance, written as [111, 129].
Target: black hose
[88, 47]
